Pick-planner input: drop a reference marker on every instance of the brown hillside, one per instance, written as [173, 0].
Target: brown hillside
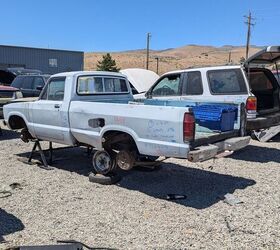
[172, 59]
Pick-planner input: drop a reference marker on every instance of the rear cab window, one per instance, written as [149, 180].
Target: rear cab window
[90, 85]
[226, 81]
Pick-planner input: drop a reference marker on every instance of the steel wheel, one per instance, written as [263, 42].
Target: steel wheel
[103, 162]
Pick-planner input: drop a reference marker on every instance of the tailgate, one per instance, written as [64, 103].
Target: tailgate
[263, 122]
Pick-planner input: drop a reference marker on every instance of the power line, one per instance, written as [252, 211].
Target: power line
[249, 23]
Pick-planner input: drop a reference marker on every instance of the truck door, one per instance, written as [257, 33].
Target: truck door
[167, 88]
[50, 113]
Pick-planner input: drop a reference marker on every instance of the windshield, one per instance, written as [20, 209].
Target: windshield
[6, 94]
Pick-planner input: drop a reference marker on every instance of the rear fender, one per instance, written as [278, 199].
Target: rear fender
[120, 129]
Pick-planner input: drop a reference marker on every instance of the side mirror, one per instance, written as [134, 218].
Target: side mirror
[39, 88]
[149, 95]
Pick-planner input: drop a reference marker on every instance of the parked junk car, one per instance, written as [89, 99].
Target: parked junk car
[30, 85]
[97, 109]
[251, 84]
[140, 79]
[7, 94]
[8, 75]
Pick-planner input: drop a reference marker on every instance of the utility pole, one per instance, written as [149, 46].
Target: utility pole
[148, 49]
[229, 57]
[157, 63]
[249, 23]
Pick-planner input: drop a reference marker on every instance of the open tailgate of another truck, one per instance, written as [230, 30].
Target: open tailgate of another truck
[265, 87]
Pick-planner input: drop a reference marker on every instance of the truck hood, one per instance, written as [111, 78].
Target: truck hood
[6, 77]
[269, 55]
[26, 99]
[141, 79]
[7, 88]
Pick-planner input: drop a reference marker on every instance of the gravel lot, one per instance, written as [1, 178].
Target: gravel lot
[134, 214]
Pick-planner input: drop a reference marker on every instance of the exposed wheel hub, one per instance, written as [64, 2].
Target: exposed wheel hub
[125, 160]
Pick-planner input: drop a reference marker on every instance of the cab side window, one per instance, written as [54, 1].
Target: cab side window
[38, 82]
[192, 84]
[168, 86]
[27, 82]
[54, 91]
[17, 82]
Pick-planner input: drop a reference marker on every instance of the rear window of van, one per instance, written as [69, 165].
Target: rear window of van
[226, 81]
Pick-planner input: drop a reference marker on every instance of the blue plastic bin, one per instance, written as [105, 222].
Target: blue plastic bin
[215, 117]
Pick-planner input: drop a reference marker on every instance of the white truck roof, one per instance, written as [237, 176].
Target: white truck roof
[205, 68]
[76, 73]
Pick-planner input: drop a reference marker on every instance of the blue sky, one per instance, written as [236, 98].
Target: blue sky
[116, 25]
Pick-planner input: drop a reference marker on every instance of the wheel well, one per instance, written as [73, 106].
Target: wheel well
[118, 140]
[16, 122]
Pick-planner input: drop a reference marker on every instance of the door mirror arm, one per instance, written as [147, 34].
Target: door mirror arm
[149, 95]
[39, 88]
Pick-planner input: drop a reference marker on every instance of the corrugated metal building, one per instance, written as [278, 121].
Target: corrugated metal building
[49, 61]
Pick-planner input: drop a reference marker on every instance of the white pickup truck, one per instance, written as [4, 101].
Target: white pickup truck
[96, 109]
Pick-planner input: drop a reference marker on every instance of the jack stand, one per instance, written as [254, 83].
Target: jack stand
[50, 153]
[43, 158]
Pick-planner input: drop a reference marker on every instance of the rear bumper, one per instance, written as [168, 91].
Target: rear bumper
[263, 122]
[204, 153]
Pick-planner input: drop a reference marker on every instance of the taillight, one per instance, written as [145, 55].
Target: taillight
[251, 104]
[189, 127]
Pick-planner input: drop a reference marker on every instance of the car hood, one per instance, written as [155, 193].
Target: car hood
[26, 99]
[266, 56]
[6, 77]
[7, 88]
[141, 79]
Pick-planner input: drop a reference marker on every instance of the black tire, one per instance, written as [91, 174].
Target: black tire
[104, 179]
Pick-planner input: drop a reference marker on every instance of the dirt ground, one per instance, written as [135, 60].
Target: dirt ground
[47, 206]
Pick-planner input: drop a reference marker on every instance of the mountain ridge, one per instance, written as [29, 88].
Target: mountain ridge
[174, 58]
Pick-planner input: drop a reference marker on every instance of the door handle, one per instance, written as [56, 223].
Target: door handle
[57, 106]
